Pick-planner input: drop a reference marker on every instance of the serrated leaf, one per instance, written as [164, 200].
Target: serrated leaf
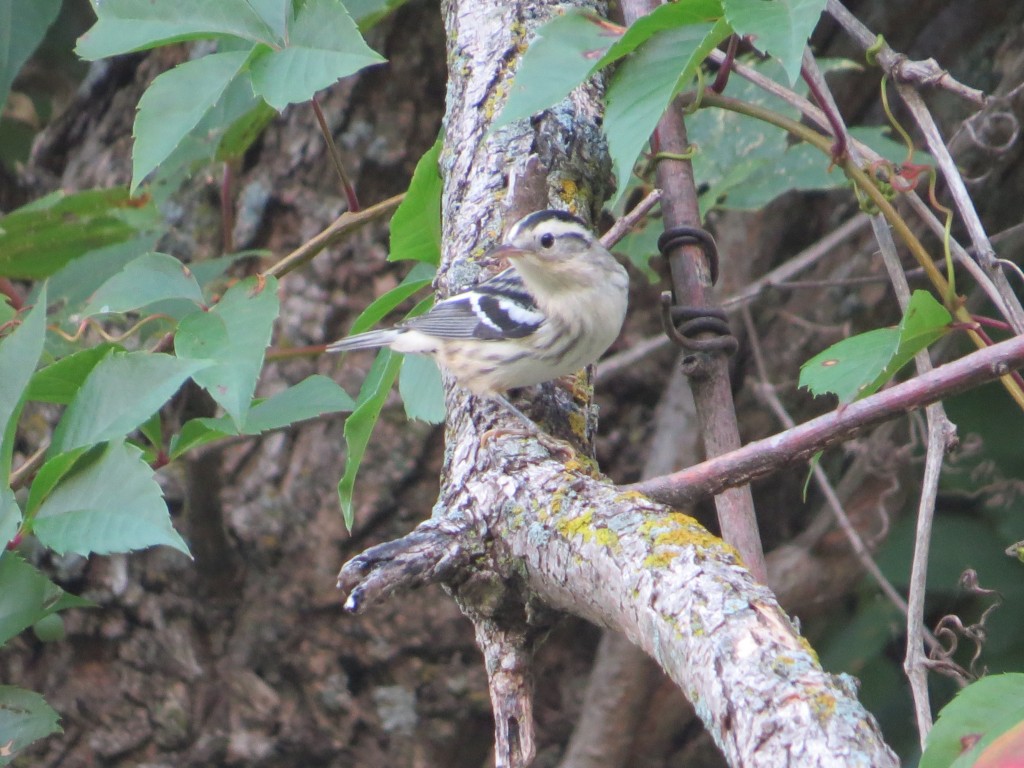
[175, 103]
[779, 27]
[50, 474]
[19, 355]
[24, 717]
[668, 16]
[198, 432]
[561, 56]
[419, 277]
[359, 425]
[72, 286]
[234, 335]
[26, 22]
[26, 596]
[644, 85]
[847, 368]
[110, 504]
[311, 397]
[368, 13]
[20, 351]
[324, 45]
[10, 516]
[122, 391]
[925, 322]
[36, 241]
[981, 711]
[421, 388]
[123, 26]
[416, 225]
[150, 278]
[860, 365]
[60, 381]
[274, 13]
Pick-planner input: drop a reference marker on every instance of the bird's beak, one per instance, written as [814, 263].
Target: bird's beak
[506, 251]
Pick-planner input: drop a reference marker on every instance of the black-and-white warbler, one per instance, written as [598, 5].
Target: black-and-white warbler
[555, 310]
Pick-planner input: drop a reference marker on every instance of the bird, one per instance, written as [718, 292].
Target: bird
[555, 310]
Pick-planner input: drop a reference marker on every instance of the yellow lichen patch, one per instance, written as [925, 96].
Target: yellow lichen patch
[584, 465]
[582, 387]
[823, 704]
[679, 530]
[569, 191]
[578, 424]
[554, 507]
[659, 559]
[807, 647]
[632, 496]
[583, 526]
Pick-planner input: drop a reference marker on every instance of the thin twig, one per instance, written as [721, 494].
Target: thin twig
[860, 549]
[806, 259]
[763, 457]
[339, 165]
[896, 65]
[926, 72]
[815, 115]
[622, 227]
[340, 228]
[21, 475]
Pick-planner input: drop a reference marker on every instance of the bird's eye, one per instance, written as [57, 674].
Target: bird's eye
[547, 240]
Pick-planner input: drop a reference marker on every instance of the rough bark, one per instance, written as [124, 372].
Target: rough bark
[177, 667]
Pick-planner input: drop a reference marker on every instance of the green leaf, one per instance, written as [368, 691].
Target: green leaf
[416, 225]
[368, 13]
[275, 14]
[980, 712]
[151, 277]
[109, 504]
[847, 368]
[77, 281]
[60, 382]
[324, 45]
[26, 596]
[422, 390]
[10, 516]
[198, 432]
[925, 322]
[36, 241]
[123, 26]
[779, 27]
[647, 81]
[122, 391]
[359, 426]
[175, 103]
[24, 717]
[419, 277]
[311, 397]
[860, 365]
[668, 16]
[19, 354]
[562, 56]
[234, 334]
[50, 474]
[25, 23]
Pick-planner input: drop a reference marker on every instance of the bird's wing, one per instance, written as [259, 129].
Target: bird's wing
[499, 308]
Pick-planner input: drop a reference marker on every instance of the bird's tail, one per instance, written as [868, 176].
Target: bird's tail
[368, 340]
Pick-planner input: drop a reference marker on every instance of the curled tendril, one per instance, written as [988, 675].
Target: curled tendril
[950, 628]
[871, 54]
[109, 337]
[906, 179]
